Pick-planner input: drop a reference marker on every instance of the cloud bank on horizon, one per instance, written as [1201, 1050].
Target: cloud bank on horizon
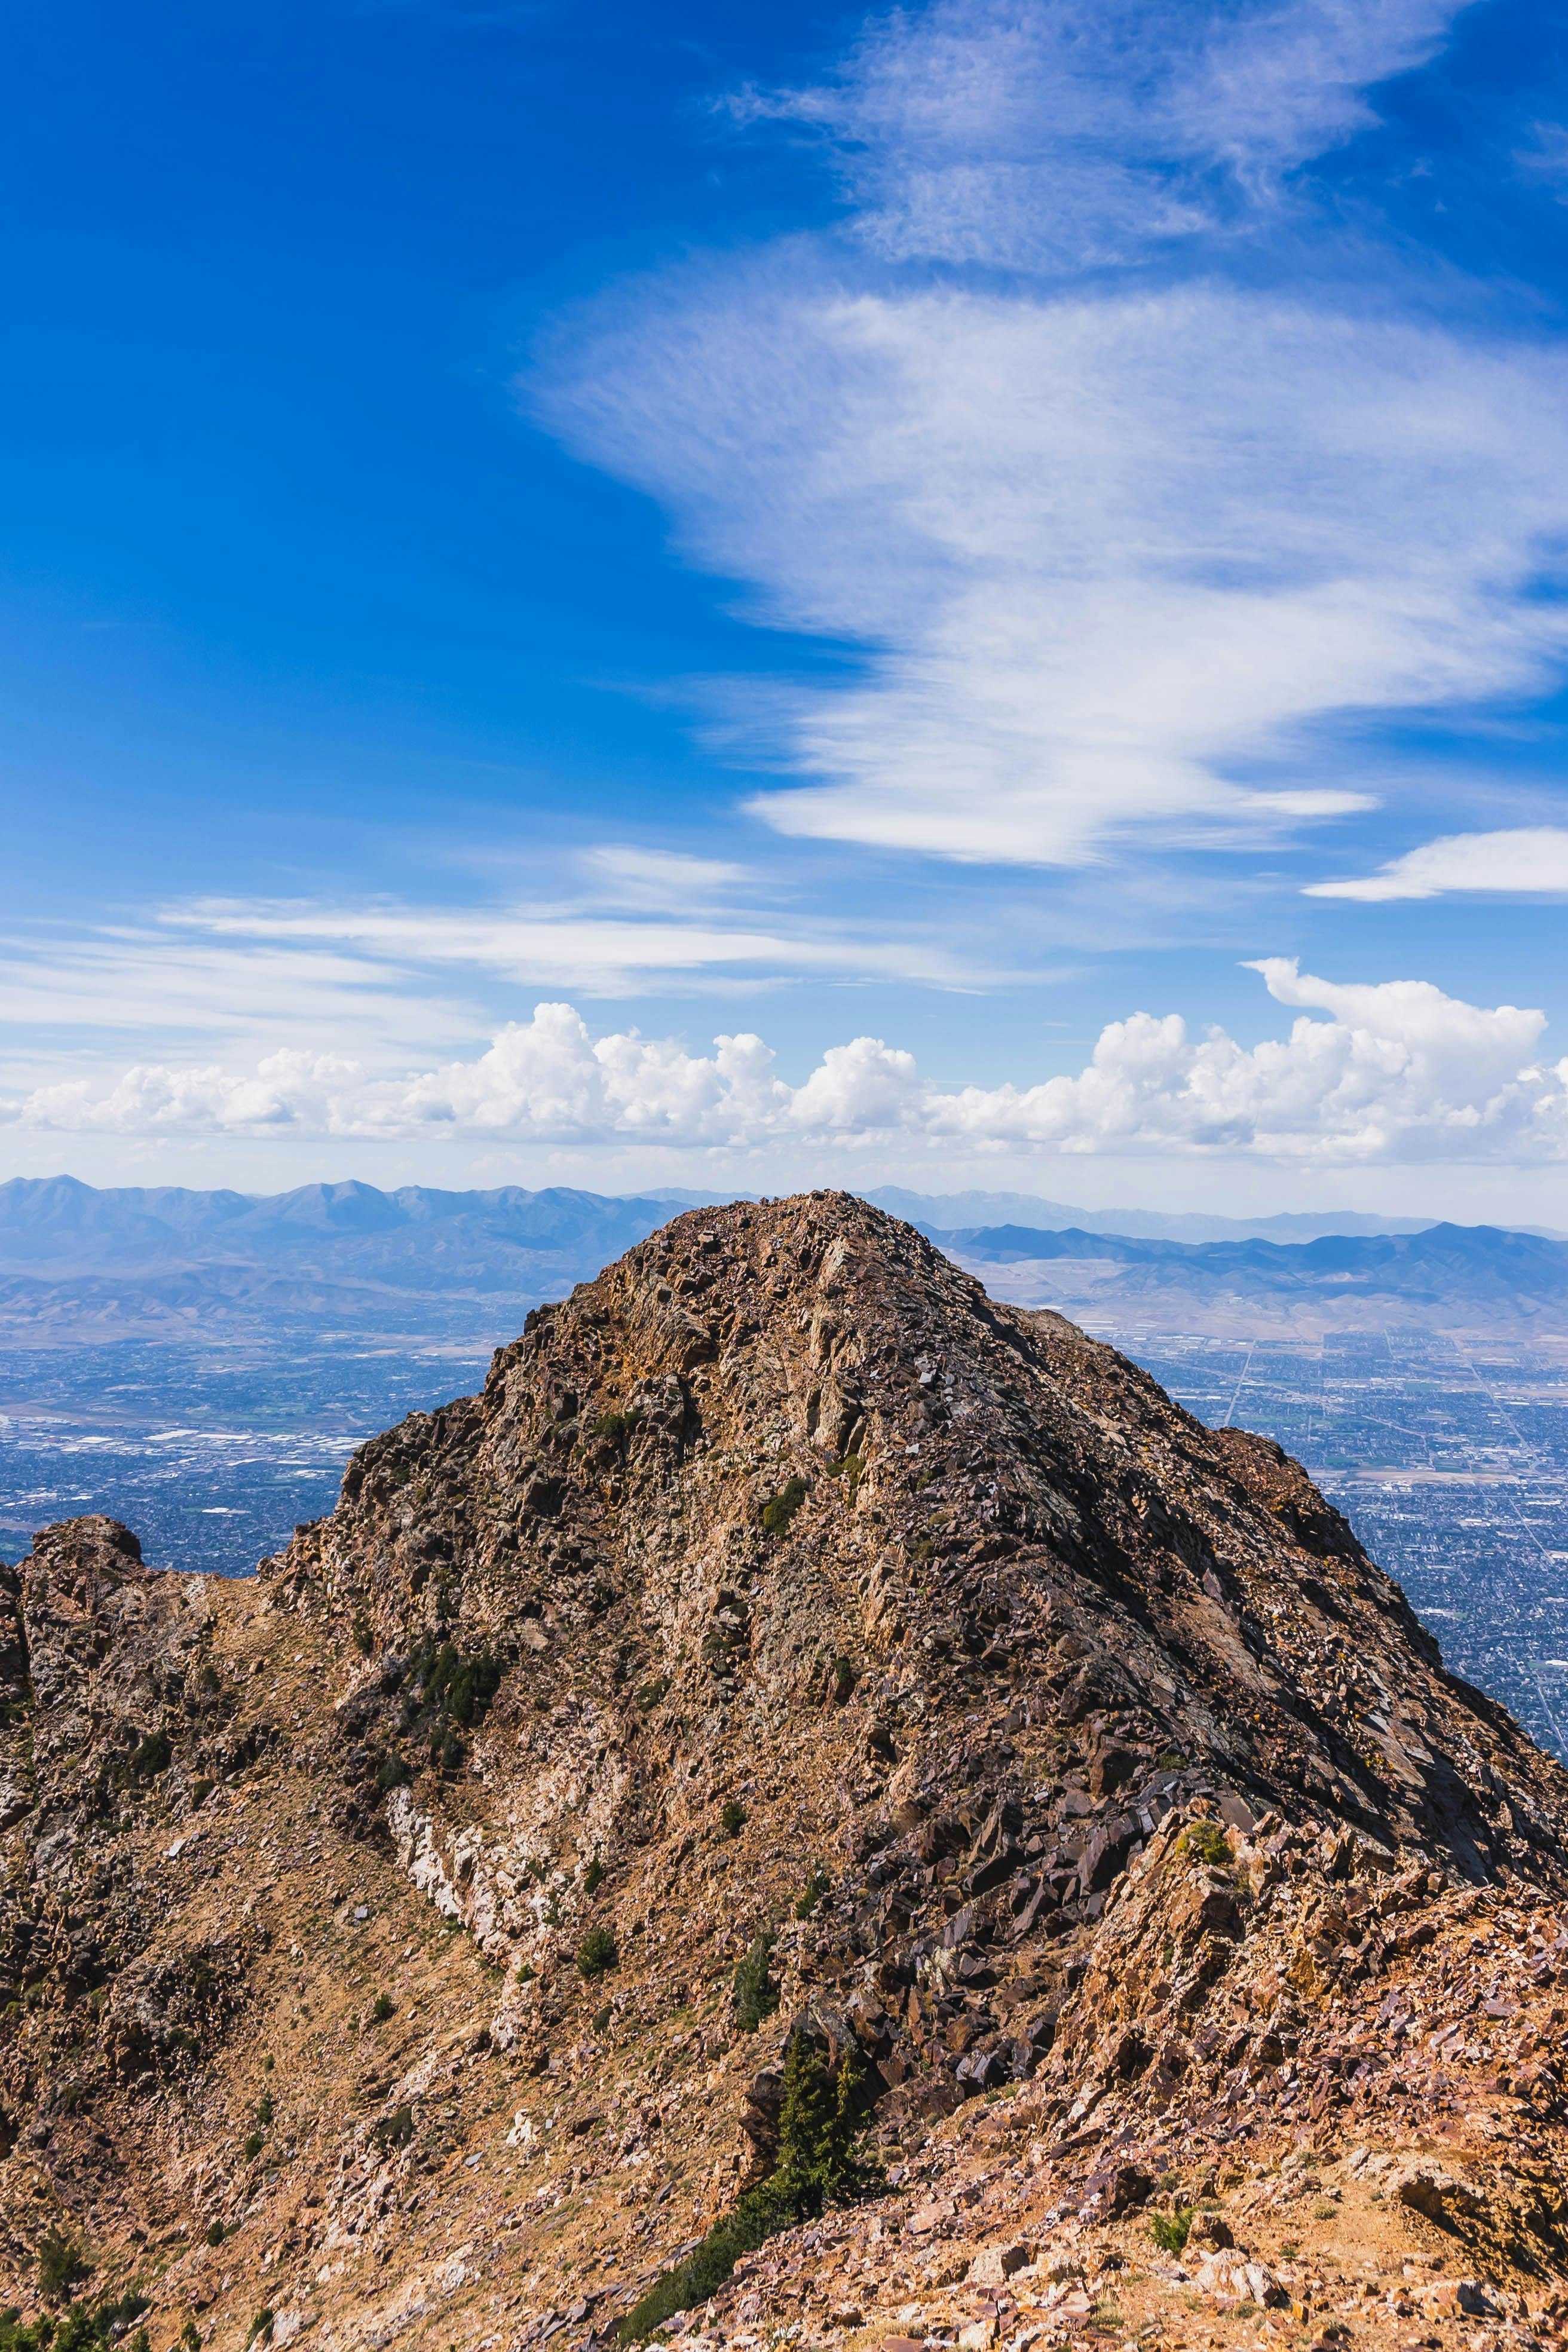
[1397, 1072]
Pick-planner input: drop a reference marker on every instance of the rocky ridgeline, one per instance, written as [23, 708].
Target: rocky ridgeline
[791, 1659]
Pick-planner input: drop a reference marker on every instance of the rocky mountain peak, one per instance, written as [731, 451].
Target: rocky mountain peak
[779, 1442]
[789, 1650]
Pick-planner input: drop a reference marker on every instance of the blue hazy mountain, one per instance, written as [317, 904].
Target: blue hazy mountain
[151, 1259]
[1291, 1273]
[955, 1211]
[1442, 1267]
[158, 1257]
[66, 1218]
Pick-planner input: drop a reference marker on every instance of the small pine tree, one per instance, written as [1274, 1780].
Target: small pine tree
[596, 1952]
[756, 1996]
[1170, 2231]
[812, 1893]
[817, 2127]
[822, 2111]
[62, 2261]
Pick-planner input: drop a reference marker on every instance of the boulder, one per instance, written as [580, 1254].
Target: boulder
[994, 2265]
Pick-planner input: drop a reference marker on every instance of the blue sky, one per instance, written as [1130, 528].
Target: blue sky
[1007, 560]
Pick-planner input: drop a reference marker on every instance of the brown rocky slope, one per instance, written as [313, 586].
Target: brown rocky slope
[369, 1930]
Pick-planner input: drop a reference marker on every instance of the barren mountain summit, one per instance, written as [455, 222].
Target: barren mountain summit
[799, 1697]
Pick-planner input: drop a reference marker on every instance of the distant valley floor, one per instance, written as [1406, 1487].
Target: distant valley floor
[214, 1452]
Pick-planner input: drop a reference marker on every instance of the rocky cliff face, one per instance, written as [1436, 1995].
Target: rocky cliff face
[789, 1641]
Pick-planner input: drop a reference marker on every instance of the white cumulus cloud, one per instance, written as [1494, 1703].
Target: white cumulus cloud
[1392, 1071]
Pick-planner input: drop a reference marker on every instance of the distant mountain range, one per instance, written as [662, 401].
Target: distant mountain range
[162, 1261]
[61, 1217]
[1442, 1277]
[953, 1212]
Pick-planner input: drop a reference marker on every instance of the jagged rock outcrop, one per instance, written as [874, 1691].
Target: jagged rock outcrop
[789, 1638]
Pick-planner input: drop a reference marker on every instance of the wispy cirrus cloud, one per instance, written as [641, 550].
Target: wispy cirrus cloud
[1113, 556]
[602, 953]
[1395, 1072]
[1127, 558]
[666, 880]
[1067, 132]
[1131, 507]
[1527, 858]
[1544, 156]
[380, 975]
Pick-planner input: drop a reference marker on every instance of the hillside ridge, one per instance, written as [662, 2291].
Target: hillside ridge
[789, 1650]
